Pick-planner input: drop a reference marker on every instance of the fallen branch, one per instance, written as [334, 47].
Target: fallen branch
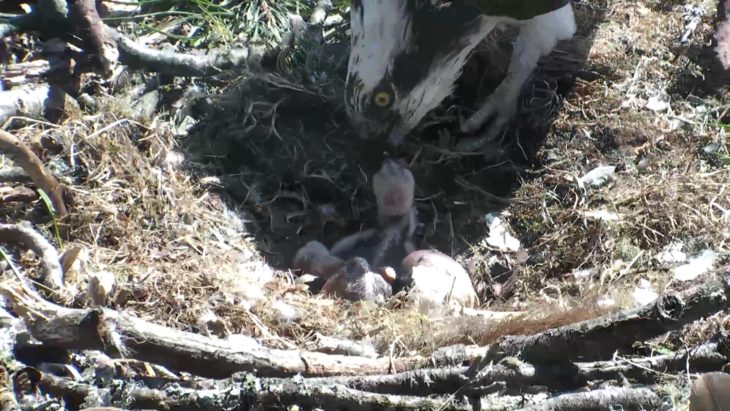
[243, 394]
[606, 399]
[119, 334]
[23, 234]
[517, 377]
[38, 101]
[100, 47]
[23, 73]
[137, 56]
[50, 18]
[600, 338]
[23, 156]
[252, 393]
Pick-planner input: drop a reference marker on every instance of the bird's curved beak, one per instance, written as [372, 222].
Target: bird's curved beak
[396, 136]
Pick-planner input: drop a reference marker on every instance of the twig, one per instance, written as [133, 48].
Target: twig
[28, 161]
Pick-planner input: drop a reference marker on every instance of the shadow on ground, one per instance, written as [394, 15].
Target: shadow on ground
[287, 158]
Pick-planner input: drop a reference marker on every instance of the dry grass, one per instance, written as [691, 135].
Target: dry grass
[271, 164]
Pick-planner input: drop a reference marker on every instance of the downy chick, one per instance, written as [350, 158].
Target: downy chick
[315, 259]
[392, 240]
[356, 282]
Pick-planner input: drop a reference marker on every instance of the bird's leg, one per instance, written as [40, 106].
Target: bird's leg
[537, 38]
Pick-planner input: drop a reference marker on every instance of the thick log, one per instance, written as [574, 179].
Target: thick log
[627, 399]
[137, 56]
[245, 394]
[40, 101]
[252, 393]
[118, 334]
[517, 377]
[53, 18]
[600, 338]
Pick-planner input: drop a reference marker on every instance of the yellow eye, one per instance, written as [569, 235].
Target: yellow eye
[382, 99]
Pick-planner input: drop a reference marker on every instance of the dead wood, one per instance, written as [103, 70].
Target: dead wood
[23, 156]
[600, 338]
[101, 49]
[40, 100]
[118, 334]
[26, 72]
[137, 56]
[23, 234]
[609, 398]
[51, 19]
[331, 345]
[517, 376]
[240, 394]
[248, 392]
[722, 33]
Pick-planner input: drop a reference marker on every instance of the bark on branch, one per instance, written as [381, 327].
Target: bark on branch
[53, 19]
[40, 100]
[598, 339]
[517, 377]
[606, 399]
[241, 394]
[252, 393]
[118, 334]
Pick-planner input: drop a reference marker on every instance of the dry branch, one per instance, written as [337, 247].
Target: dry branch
[39, 100]
[137, 56]
[242, 394]
[28, 161]
[606, 399]
[517, 376]
[100, 48]
[50, 18]
[22, 73]
[598, 339]
[14, 175]
[249, 393]
[118, 334]
[24, 234]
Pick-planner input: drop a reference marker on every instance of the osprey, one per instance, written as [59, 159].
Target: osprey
[407, 54]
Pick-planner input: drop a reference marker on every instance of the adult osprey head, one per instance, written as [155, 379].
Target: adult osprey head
[407, 54]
